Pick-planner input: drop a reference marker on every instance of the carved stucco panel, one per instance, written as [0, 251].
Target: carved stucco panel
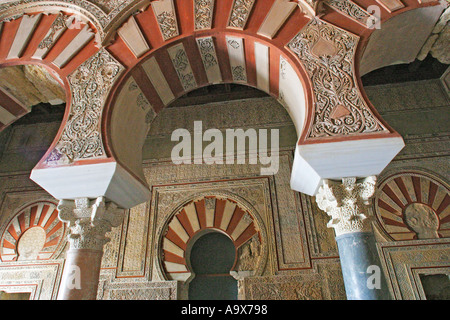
[351, 10]
[90, 85]
[306, 286]
[203, 14]
[404, 263]
[134, 288]
[134, 241]
[41, 279]
[240, 13]
[327, 53]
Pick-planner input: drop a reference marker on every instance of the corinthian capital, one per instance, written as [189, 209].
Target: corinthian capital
[346, 203]
[89, 221]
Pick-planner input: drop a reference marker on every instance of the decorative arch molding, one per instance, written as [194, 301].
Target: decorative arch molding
[221, 212]
[34, 233]
[412, 205]
[266, 40]
[66, 47]
[58, 42]
[85, 11]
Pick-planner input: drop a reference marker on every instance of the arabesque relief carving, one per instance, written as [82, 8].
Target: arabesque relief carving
[90, 84]
[249, 255]
[240, 13]
[350, 9]
[327, 52]
[203, 14]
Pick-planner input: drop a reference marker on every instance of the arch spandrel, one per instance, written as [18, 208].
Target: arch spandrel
[320, 153]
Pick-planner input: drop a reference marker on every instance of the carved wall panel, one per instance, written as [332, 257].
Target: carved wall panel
[321, 239]
[133, 243]
[406, 262]
[327, 284]
[182, 66]
[135, 289]
[413, 205]
[34, 233]
[233, 215]
[289, 220]
[236, 52]
[209, 57]
[40, 279]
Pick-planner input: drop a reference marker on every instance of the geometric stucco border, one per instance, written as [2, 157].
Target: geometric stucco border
[40, 279]
[404, 263]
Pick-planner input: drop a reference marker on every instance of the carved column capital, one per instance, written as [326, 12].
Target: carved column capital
[346, 203]
[89, 221]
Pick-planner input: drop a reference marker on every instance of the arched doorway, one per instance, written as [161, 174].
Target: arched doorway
[211, 258]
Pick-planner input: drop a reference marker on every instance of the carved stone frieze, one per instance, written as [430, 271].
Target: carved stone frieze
[90, 86]
[328, 52]
[346, 203]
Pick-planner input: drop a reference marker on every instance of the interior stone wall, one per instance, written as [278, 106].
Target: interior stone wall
[302, 260]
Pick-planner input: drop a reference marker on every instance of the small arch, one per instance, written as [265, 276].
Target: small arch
[211, 213]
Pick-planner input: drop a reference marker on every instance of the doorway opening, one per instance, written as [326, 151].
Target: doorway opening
[212, 257]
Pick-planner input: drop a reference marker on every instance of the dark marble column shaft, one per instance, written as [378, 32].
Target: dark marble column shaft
[361, 267]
